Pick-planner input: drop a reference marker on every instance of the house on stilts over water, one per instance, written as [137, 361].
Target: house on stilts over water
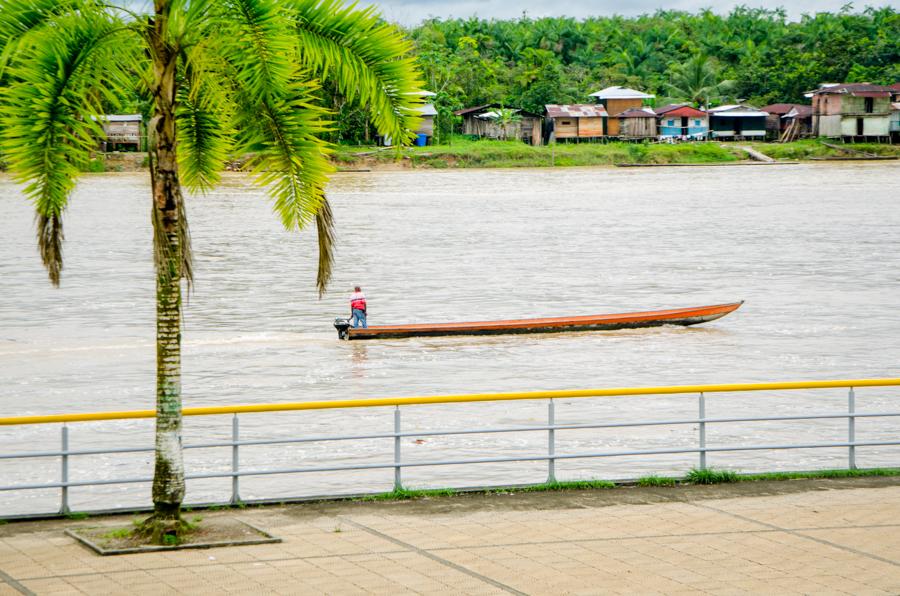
[616, 100]
[682, 122]
[852, 111]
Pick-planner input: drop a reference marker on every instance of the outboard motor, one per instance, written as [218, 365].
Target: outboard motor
[343, 328]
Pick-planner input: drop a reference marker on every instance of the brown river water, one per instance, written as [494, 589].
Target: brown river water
[813, 249]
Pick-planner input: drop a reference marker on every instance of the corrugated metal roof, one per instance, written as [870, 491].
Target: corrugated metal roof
[119, 118]
[780, 108]
[465, 111]
[428, 110]
[736, 111]
[637, 113]
[681, 110]
[668, 108]
[492, 106]
[799, 111]
[579, 110]
[856, 89]
[617, 92]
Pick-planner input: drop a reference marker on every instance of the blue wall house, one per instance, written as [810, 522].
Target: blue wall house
[682, 122]
[737, 122]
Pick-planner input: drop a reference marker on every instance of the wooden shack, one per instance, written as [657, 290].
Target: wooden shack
[796, 124]
[483, 122]
[682, 122]
[637, 124]
[122, 132]
[776, 123]
[853, 111]
[576, 121]
[737, 121]
[616, 100]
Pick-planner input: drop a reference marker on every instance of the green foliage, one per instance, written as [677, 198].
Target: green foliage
[757, 55]
[465, 153]
[567, 485]
[711, 476]
[95, 165]
[77, 515]
[171, 540]
[405, 494]
[654, 480]
[248, 80]
[120, 533]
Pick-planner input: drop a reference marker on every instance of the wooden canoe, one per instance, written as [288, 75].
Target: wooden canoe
[630, 320]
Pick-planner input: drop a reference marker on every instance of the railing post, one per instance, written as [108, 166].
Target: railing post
[551, 442]
[702, 404]
[851, 429]
[398, 485]
[235, 460]
[64, 496]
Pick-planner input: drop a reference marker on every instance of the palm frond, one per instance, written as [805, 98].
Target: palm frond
[257, 38]
[204, 141]
[287, 156]
[325, 233]
[58, 83]
[367, 59]
[19, 20]
[277, 115]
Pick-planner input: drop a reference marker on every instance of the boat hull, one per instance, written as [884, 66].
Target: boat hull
[634, 320]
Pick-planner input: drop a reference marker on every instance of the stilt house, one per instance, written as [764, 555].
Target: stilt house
[616, 100]
[637, 123]
[123, 132]
[852, 111]
[796, 124]
[737, 122]
[576, 121]
[775, 121]
[682, 122]
[483, 122]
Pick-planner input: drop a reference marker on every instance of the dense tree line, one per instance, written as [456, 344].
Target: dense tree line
[760, 55]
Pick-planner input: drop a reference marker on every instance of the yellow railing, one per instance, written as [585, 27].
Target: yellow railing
[449, 399]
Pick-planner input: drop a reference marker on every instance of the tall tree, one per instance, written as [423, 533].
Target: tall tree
[697, 81]
[223, 77]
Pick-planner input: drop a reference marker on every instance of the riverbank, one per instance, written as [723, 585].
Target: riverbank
[511, 154]
[463, 153]
[791, 538]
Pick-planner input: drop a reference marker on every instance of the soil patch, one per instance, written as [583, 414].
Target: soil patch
[115, 539]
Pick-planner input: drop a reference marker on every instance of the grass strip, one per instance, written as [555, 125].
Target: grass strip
[695, 476]
[466, 153]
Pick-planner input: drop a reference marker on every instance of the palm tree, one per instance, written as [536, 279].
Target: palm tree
[698, 81]
[222, 77]
[506, 118]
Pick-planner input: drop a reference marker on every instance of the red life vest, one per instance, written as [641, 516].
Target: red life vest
[358, 301]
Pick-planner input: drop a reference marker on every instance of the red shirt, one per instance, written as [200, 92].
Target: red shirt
[358, 301]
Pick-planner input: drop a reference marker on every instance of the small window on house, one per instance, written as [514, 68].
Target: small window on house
[565, 122]
[671, 123]
[696, 123]
[870, 105]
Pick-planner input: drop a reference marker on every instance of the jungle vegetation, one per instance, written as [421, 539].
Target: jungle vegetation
[758, 56]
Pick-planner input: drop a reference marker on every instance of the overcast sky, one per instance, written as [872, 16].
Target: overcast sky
[411, 12]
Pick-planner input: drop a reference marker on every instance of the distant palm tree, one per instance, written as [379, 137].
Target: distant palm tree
[506, 118]
[697, 81]
[222, 77]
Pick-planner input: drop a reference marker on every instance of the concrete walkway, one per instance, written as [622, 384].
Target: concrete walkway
[800, 537]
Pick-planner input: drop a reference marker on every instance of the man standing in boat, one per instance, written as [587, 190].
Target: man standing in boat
[358, 308]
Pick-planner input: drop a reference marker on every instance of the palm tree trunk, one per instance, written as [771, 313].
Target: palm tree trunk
[169, 250]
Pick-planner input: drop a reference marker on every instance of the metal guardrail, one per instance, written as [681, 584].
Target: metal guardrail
[551, 428]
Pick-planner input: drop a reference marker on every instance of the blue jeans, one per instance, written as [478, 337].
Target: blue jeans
[358, 318]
